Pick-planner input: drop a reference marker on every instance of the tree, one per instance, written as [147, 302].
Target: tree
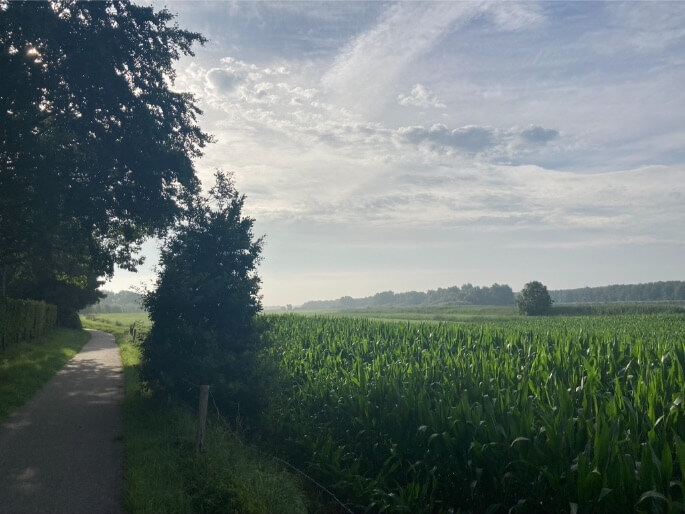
[501, 295]
[95, 148]
[534, 300]
[206, 299]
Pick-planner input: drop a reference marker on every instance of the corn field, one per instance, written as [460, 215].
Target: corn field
[551, 415]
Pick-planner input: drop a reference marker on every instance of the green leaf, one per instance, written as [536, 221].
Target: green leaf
[666, 463]
[494, 508]
[654, 495]
[604, 492]
[519, 440]
[680, 453]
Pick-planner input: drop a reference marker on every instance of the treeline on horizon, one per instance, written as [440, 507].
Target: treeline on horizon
[467, 294]
[497, 294]
[669, 291]
[123, 301]
[502, 295]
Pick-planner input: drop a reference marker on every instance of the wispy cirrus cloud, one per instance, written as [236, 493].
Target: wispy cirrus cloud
[373, 61]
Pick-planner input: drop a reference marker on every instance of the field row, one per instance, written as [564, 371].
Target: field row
[564, 415]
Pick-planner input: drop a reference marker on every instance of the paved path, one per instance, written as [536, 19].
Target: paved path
[62, 452]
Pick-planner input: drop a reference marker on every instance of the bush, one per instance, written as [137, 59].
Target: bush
[204, 307]
[24, 319]
[67, 318]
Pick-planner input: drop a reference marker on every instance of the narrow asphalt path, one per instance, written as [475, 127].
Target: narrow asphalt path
[62, 452]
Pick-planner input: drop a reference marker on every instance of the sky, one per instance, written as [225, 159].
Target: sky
[416, 145]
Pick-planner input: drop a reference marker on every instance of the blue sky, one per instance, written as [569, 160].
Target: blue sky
[416, 145]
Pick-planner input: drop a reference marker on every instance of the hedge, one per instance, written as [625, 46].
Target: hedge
[24, 319]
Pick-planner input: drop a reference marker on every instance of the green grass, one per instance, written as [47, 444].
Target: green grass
[162, 471]
[26, 367]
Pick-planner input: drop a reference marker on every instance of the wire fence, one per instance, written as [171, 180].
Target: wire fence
[227, 425]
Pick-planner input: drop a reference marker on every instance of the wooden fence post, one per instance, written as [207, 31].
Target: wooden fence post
[202, 420]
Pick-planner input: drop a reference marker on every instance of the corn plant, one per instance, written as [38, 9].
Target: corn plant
[555, 415]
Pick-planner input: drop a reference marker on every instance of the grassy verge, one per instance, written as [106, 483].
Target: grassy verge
[26, 367]
[162, 472]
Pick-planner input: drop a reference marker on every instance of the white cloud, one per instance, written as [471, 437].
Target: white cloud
[300, 157]
[513, 16]
[222, 80]
[420, 96]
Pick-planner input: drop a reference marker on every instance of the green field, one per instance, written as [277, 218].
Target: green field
[489, 313]
[471, 313]
[119, 319]
[532, 415]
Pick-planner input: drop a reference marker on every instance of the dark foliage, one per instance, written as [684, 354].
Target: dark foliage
[534, 299]
[206, 301]
[95, 149]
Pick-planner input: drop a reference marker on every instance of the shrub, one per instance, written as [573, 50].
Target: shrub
[206, 300]
[24, 319]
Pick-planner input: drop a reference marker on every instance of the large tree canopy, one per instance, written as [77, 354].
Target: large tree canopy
[96, 150]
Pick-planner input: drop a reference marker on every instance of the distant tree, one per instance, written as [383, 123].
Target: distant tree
[383, 299]
[501, 295]
[206, 299]
[346, 302]
[96, 149]
[467, 293]
[123, 301]
[410, 299]
[534, 299]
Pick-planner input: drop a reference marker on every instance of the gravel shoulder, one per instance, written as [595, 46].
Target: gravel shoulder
[63, 451]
